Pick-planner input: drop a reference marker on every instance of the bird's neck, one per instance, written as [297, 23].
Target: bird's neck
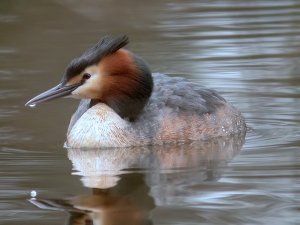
[128, 102]
[128, 85]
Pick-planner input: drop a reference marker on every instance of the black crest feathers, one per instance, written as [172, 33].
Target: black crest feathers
[108, 45]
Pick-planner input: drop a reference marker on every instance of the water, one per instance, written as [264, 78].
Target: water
[248, 51]
[32, 105]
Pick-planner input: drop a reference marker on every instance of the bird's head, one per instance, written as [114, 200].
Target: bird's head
[105, 73]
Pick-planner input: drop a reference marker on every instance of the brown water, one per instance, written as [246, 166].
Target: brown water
[247, 50]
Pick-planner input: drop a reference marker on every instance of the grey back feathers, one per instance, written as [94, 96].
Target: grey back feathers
[180, 94]
[108, 45]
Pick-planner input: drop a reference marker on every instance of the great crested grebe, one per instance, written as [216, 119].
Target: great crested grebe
[124, 105]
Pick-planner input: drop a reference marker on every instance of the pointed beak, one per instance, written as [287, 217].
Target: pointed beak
[53, 93]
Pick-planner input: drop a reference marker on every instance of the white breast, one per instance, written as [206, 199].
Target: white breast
[99, 127]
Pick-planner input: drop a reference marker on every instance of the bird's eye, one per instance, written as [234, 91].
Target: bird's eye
[86, 76]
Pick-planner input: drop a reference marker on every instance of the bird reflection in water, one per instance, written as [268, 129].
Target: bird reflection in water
[127, 188]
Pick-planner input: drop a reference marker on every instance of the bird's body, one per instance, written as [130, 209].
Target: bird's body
[178, 111]
[124, 105]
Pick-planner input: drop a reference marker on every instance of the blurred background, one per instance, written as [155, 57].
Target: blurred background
[249, 51]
